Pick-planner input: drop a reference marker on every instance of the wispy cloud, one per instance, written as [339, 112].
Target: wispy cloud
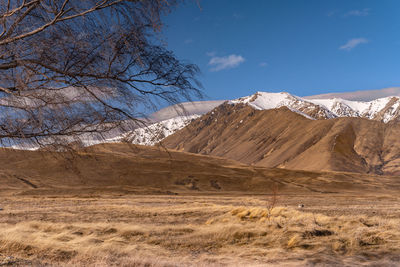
[263, 64]
[367, 95]
[228, 62]
[211, 54]
[237, 16]
[358, 12]
[332, 13]
[352, 43]
[188, 41]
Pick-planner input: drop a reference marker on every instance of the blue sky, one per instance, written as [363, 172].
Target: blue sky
[304, 47]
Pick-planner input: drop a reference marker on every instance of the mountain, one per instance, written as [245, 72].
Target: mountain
[158, 125]
[169, 120]
[264, 131]
[152, 130]
[155, 132]
[280, 130]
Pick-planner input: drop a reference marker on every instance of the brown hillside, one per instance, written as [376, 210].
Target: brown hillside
[120, 169]
[284, 139]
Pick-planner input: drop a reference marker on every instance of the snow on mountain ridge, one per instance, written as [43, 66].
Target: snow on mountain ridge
[370, 110]
[384, 109]
[263, 100]
[156, 132]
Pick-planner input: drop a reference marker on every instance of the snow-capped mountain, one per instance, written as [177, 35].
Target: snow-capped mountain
[154, 129]
[154, 133]
[166, 122]
[169, 120]
[383, 109]
[264, 101]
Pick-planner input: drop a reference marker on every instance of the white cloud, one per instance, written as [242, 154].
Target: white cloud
[359, 13]
[228, 62]
[352, 43]
[263, 64]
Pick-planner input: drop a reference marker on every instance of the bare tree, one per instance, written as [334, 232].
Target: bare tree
[272, 200]
[69, 67]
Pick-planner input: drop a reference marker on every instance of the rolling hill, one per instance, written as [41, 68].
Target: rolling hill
[124, 169]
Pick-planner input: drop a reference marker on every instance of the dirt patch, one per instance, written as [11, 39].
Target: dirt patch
[190, 182]
[215, 184]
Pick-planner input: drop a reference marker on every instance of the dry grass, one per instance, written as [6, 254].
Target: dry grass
[202, 231]
[345, 235]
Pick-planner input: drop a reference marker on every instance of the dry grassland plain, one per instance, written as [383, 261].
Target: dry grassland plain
[113, 205]
[199, 230]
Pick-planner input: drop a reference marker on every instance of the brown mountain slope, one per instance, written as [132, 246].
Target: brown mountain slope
[282, 138]
[121, 169]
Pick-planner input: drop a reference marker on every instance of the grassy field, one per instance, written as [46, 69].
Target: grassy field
[200, 230]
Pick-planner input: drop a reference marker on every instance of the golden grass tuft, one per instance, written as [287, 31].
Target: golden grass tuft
[294, 241]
